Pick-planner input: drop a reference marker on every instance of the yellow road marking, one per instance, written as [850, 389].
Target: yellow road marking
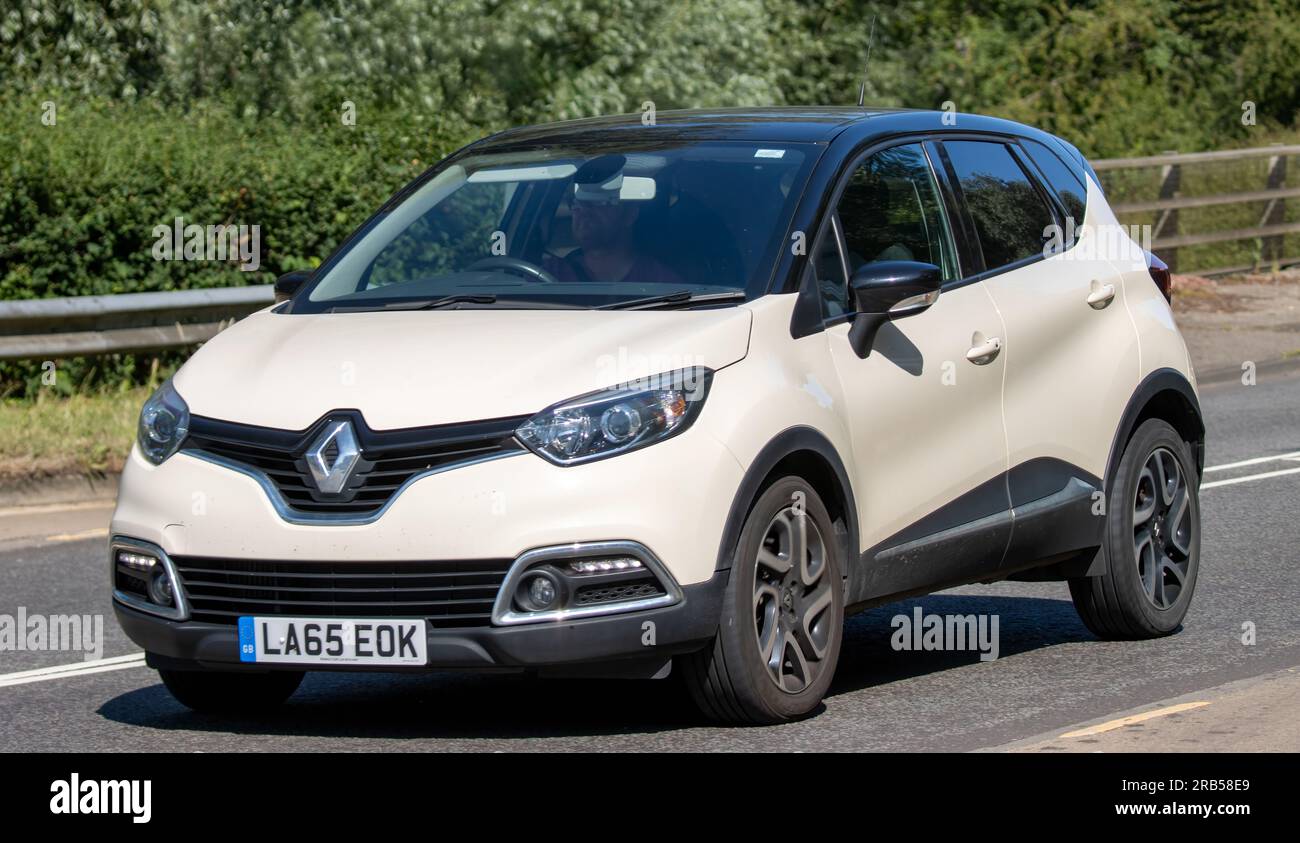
[75, 537]
[47, 508]
[1111, 725]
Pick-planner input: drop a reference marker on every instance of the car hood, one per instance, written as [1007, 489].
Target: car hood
[411, 369]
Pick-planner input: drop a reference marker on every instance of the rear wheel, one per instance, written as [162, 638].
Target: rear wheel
[214, 692]
[1153, 535]
[778, 641]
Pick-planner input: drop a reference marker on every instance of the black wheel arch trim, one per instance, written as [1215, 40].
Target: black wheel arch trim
[1161, 380]
[787, 443]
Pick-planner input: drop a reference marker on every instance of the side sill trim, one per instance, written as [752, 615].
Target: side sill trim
[1074, 491]
[324, 519]
[970, 528]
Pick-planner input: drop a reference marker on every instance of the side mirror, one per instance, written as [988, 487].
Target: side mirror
[889, 290]
[289, 283]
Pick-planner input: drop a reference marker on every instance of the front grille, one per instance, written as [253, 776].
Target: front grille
[388, 458]
[448, 594]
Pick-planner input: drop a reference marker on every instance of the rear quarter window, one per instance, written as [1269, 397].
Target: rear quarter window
[1068, 185]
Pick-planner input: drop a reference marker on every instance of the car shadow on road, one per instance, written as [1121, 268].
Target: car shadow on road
[869, 656]
[397, 707]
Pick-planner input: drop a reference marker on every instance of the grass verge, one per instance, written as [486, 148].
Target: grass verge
[79, 434]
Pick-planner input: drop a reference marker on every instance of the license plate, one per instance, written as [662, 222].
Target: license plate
[333, 641]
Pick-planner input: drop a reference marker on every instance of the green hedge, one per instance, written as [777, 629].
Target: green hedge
[79, 200]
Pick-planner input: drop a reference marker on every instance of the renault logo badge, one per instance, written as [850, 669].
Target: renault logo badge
[332, 457]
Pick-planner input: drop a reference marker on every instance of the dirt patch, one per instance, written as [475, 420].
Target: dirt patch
[15, 470]
[1193, 293]
[1232, 320]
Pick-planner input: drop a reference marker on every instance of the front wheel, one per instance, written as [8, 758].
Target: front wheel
[213, 692]
[1153, 541]
[778, 640]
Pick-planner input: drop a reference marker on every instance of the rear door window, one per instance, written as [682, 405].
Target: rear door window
[1012, 218]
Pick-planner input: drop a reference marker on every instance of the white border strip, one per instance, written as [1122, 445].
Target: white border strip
[1249, 478]
[1256, 461]
[44, 674]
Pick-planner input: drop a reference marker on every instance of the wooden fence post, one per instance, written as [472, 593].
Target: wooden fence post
[1167, 222]
[1274, 213]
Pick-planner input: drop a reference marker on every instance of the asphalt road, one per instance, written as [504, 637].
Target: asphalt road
[1052, 676]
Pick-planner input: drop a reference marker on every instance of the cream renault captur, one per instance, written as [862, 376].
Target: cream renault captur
[601, 398]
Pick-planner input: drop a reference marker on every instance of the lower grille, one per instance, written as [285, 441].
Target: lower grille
[447, 594]
[615, 592]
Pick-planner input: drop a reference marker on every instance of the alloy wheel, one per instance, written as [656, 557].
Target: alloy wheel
[1162, 528]
[793, 611]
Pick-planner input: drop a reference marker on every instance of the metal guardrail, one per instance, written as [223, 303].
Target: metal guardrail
[1167, 240]
[87, 325]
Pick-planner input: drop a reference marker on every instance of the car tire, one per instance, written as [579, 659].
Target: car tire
[215, 692]
[778, 639]
[1153, 535]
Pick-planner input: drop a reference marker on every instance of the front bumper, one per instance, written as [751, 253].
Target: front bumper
[633, 643]
[673, 498]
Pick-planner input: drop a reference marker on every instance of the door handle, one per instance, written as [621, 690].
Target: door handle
[984, 349]
[1101, 295]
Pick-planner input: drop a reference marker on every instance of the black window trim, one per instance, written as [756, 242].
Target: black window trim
[970, 253]
[831, 227]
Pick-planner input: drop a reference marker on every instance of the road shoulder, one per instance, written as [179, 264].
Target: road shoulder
[1250, 715]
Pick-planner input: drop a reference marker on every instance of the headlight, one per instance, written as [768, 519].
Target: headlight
[164, 421]
[619, 419]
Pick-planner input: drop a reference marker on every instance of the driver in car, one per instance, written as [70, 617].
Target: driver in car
[603, 228]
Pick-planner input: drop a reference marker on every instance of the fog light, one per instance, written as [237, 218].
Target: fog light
[160, 588]
[541, 591]
[601, 566]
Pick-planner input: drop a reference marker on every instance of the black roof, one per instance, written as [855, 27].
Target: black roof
[775, 124]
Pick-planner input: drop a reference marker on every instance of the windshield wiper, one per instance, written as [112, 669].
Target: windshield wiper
[459, 298]
[677, 299]
[418, 304]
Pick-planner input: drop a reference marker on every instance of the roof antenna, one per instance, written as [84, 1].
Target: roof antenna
[862, 89]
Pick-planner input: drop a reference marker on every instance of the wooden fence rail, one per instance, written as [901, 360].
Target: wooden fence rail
[1166, 238]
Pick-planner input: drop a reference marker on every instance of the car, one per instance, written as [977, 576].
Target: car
[672, 397]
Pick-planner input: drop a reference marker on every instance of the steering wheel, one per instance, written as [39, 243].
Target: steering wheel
[529, 270]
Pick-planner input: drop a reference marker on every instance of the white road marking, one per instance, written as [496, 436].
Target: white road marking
[1248, 478]
[44, 674]
[1256, 461]
[1111, 725]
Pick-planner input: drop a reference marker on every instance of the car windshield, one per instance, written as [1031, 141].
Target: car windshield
[574, 227]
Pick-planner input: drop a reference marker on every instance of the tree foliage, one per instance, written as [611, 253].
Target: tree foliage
[1118, 76]
[230, 111]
